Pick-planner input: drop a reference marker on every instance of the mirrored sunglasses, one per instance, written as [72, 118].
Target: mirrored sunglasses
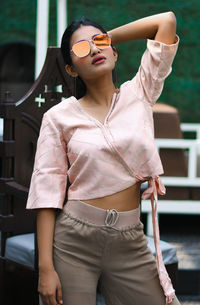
[82, 48]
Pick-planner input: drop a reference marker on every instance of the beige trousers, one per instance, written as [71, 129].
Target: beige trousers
[119, 259]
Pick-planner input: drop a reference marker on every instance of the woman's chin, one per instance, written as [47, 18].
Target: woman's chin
[95, 74]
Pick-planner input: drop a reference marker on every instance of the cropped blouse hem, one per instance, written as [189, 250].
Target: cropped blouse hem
[95, 194]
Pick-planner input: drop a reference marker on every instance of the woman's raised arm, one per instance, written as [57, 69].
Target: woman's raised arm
[161, 27]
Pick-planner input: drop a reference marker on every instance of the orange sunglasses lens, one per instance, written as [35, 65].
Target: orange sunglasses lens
[82, 48]
[102, 41]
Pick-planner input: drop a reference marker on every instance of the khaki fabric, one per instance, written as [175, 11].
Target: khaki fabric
[119, 259]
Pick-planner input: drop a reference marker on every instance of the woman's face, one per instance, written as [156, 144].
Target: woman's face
[85, 67]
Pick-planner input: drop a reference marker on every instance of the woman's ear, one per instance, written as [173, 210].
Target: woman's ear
[70, 70]
[115, 53]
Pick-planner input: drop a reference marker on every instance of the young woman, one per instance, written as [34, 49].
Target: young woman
[103, 141]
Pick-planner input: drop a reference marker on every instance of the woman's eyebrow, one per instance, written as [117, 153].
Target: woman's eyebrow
[96, 35]
[88, 38]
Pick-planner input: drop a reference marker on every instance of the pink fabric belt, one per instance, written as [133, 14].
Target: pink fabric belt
[156, 186]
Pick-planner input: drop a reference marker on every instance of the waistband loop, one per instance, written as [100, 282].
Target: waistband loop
[112, 217]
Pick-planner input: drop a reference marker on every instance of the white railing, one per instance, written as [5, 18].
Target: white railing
[192, 147]
[194, 127]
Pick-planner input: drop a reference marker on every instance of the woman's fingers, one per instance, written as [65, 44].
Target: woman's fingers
[45, 300]
[59, 294]
[48, 299]
[52, 300]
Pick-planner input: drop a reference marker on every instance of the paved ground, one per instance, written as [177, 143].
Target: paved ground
[189, 300]
[184, 300]
[183, 232]
[188, 248]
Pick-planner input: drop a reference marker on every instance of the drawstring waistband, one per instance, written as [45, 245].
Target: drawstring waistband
[155, 187]
[101, 217]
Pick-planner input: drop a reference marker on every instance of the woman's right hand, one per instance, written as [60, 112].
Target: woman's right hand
[49, 287]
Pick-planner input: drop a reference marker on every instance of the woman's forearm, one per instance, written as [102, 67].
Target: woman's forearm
[45, 232]
[161, 27]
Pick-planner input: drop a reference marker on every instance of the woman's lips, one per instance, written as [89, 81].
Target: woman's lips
[98, 59]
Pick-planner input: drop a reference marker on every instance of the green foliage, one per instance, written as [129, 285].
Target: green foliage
[18, 20]
[182, 88]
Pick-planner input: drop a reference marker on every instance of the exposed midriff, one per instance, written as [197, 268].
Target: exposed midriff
[124, 200]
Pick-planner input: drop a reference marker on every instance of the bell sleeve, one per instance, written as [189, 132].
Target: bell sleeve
[156, 65]
[49, 177]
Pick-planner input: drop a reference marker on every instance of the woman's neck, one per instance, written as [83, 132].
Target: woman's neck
[100, 92]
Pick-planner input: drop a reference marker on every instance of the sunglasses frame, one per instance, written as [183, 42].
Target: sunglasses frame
[91, 40]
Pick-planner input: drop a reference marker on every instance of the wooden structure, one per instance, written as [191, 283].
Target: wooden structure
[22, 122]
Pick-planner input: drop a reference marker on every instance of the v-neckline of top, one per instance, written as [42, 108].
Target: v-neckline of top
[113, 101]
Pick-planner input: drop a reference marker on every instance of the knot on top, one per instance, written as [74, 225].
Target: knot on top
[155, 186]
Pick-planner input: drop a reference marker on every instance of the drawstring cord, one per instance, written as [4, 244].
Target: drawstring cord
[111, 217]
[156, 186]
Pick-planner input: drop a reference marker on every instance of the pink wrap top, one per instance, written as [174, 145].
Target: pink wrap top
[102, 159]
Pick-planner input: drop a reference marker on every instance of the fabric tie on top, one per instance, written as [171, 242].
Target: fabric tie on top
[155, 187]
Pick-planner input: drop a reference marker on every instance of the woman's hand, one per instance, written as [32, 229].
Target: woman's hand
[49, 287]
[49, 284]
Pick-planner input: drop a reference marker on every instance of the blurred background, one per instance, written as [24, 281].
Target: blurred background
[18, 35]
[18, 49]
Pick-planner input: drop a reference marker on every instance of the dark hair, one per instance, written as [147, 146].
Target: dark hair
[79, 86]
